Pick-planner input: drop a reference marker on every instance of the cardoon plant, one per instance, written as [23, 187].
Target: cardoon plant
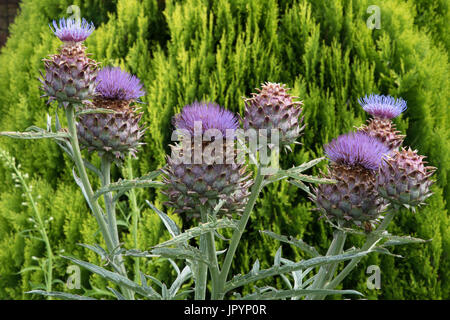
[206, 176]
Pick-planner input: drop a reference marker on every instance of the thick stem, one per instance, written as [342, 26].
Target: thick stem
[135, 217]
[211, 254]
[110, 210]
[327, 271]
[372, 239]
[202, 273]
[237, 234]
[339, 250]
[112, 222]
[70, 114]
[96, 210]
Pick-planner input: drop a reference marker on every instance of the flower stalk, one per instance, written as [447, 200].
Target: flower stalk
[208, 238]
[111, 240]
[371, 240]
[201, 277]
[327, 271]
[135, 218]
[237, 234]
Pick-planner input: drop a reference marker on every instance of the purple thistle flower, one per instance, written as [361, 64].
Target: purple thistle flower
[211, 116]
[357, 148]
[72, 30]
[385, 107]
[116, 84]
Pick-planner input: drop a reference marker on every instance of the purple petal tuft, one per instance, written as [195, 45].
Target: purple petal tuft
[356, 149]
[72, 30]
[211, 115]
[114, 83]
[385, 107]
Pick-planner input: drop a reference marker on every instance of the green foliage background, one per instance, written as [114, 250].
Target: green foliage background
[221, 50]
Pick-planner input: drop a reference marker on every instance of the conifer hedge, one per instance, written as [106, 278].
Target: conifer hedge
[221, 50]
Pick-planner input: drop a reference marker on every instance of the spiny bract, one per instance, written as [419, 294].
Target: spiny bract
[191, 183]
[404, 179]
[70, 75]
[273, 108]
[113, 134]
[383, 109]
[355, 158]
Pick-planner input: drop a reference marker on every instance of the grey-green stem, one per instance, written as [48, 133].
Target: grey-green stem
[211, 254]
[135, 217]
[202, 273]
[96, 210]
[237, 234]
[327, 271]
[110, 208]
[372, 239]
[70, 114]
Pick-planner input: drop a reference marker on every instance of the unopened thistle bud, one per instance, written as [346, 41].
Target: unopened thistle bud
[191, 183]
[113, 134]
[355, 159]
[70, 75]
[273, 108]
[404, 179]
[383, 109]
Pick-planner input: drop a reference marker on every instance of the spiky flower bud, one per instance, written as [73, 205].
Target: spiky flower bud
[197, 177]
[355, 159]
[113, 134]
[70, 75]
[404, 179]
[383, 109]
[273, 108]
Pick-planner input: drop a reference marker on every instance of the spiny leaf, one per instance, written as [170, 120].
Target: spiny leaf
[93, 111]
[295, 242]
[187, 252]
[283, 294]
[118, 295]
[305, 166]
[399, 240]
[35, 135]
[115, 278]
[124, 185]
[299, 184]
[241, 280]
[182, 277]
[283, 174]
[61, 295]
[199, 230]
[386, 251]
[310, 179]
[169, 223]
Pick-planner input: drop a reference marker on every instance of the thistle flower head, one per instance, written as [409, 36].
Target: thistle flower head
[211, 116]
[404, 178]
[112, 135]
[116, 84]
[355, 149]
[353, 199]
[274, 108]
[72, 30]
[385, 107]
